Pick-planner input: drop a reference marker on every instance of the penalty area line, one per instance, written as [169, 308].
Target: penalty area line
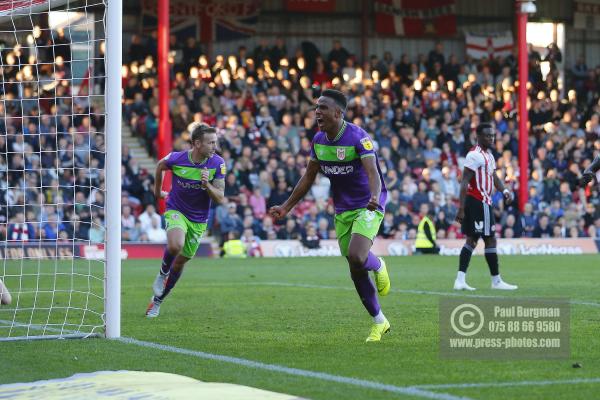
[303, 373]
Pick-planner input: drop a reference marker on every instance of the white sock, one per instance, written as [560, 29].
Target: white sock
[379, 318]
[461, 276]
[496, 279]
[380, 265]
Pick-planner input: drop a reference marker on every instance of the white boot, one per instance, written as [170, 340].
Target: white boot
[158, 287]
[462, 285]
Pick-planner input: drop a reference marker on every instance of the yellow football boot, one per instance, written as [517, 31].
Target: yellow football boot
[382, 279]
[378, 330]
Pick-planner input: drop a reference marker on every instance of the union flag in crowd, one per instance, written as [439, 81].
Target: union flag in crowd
[208, 20]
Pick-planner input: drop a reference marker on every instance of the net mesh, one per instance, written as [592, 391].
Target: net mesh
[52, 160]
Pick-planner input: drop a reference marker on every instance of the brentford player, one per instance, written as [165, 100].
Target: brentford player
[475, 213]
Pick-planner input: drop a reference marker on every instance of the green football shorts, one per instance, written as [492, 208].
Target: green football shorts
[193, 231]
[361, 221]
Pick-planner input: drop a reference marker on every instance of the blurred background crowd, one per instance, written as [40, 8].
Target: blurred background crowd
[51, 144]
[421, 111]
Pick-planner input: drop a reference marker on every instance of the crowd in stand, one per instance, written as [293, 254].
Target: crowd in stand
[51, 145]
[421, 112]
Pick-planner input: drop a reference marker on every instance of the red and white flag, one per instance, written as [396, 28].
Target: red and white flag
[415, 17]
[490, 46]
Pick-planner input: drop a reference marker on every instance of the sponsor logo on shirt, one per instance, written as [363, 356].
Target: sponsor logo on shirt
[187, 185]
[337, 169]
[223, 169]
[366, 143]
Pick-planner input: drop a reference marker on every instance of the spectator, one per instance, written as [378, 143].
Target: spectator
[234, 247]
[310, 239]
[279, 195]
[387, 230]
[96, 231]
[580, 75]
[290, 231]
[52, 227]
[261, 52]
[155, 233]
[511, 223]
[543, 229]
[324, 230]
[149, 217]
[258, 203]
[231, 221]
[425, 242]
[338, 53]
[19, 230]
[128, 222]
[252, 243]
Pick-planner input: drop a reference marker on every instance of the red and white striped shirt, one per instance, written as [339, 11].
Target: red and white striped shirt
[483, 164]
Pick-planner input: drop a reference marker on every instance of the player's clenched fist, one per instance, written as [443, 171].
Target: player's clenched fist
[373, 203]
[277, 212]
[204, 177]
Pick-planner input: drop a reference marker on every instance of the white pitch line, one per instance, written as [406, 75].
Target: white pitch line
[426, 292]
[365, 384]
[62, 333]
[509, 384]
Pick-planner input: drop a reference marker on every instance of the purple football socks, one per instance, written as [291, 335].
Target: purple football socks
[372, 263]
[166, 262]
[366, 291]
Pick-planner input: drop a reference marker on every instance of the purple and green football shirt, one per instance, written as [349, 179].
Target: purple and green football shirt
[340, 161]
[187, 195]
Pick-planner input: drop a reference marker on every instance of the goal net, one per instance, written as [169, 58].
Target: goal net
[53, 168]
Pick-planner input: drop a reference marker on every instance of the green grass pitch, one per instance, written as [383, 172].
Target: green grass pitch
[270, 310]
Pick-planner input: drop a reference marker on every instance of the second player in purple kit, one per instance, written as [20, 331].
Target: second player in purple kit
[198, 180]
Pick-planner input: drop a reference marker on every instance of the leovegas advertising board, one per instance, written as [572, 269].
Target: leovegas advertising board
[139, 251]
[388, 247]
[522, 246]
[293, 248]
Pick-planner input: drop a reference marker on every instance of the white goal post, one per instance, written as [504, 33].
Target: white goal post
[60, 168]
